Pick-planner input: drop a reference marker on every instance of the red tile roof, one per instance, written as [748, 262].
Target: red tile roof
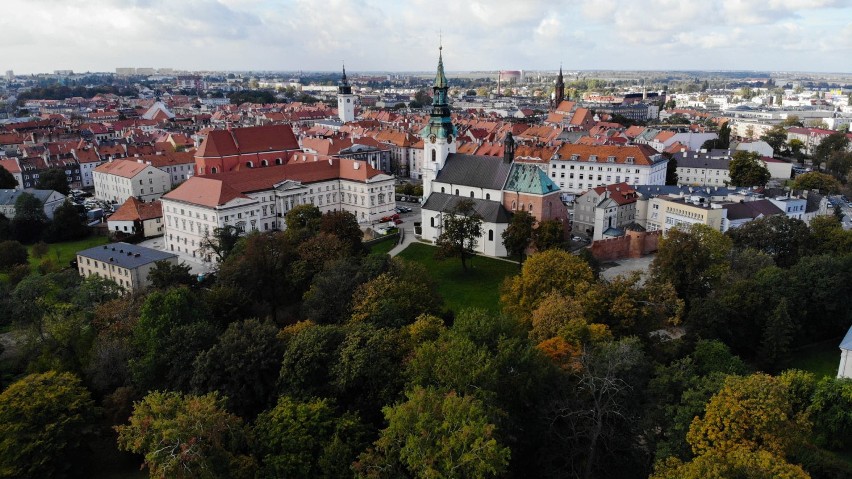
[641, 154]
[255, 139]
[205, 191]
[123, 168]
[621, 193]
[133, 210]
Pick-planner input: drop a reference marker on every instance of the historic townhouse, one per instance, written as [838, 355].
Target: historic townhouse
[577, 168]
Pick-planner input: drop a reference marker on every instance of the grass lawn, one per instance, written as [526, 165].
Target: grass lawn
[383, 247]
[822, 359]
[62, 253]
[478, 287]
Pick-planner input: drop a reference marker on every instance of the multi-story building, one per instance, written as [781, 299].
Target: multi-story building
[126, 264]
[117, 180]
[601, 211]
[703, 168]
[238, 149]
[578, 168]
[137, 218]
[665, 212]
[258, 199]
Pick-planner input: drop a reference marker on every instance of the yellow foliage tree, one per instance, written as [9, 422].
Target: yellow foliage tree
[740, 463]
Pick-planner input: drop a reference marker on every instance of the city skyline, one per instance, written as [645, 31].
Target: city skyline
[289, 35]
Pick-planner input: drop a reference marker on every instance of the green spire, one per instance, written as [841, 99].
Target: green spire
[440, 78]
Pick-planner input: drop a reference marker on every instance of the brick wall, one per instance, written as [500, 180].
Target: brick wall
[634, 244]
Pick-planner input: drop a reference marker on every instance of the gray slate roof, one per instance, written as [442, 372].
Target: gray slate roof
[125, 255]
[751, 209]
[491, 211]
[8, 197]
[475, 171]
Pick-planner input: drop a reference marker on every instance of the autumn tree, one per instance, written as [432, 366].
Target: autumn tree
[776, 137]
[518, 234]
[343, 225]
[738, 462]
[747, 169]
[460, 233]
[30, 218]
[396, 297]
[435, 435]
[186, 436]
[220, 243]
[549, 234]
[814, 180]
[43, 418]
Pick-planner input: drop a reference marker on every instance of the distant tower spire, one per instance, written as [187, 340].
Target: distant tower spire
[345, 99]
[559, 93]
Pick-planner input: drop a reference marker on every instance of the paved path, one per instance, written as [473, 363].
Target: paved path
[406, 237]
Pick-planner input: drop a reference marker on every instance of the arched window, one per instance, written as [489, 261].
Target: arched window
[434, 155]
[250, 164]
[213, 170]
[487, 196]
[530, 207]
[442, 189]
[278, 161]
[471, 194]
[490, 235]
[457, 191]
[432, 222]
[264, 163]
[514, 205]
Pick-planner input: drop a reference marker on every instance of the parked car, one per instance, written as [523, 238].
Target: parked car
[397, 221]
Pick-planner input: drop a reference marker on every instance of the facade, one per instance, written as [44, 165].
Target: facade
[703, 168]
[118, 180]
[792, 207]
[126, 264]
[578, 168]
[345, 100]
[605, 210]
[178, 166]
[50, 199]
[662, 213]
[258, 199]
[845, 369]
[136, 217]
[495, 220]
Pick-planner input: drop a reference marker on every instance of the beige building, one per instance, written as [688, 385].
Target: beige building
[126, 264]
[666, 212]
[118, 180]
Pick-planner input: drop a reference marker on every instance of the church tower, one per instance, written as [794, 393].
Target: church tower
[345, 100]
[439, 135]
[559, 93]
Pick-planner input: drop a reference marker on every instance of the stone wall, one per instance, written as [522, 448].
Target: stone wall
[634, 244]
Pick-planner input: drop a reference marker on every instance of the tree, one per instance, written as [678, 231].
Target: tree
[221, 242]
[777, 338]
[435, 435]
[548, 235]
[692, 260]
[776, 137]
[307, 439]
[43, 418]
[5, 228]
[814, 180]
[783, 238]
[243, 366]
[796, 147]
[12, 253]
[7, 180]
[397, 297]
[54, 179]
[303, 221]
[739, 462]
[792, 120]
[343, 225]
[462, 227]
[834, 142]
[29, 220]
[185, 436]
[329, 299]
[518, 234]
[166, 274]
[67, 224]
[671, 172]
[839, 164]
[831, 413]
[747, 169]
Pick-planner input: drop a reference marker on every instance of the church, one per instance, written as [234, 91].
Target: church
[498, 186]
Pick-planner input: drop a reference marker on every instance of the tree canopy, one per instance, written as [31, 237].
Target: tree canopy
[461, 230]
[747, 169]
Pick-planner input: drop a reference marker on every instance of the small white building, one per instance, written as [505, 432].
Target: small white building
[136, 217]
[50, 200]
[118, 180]
[845, 369]
[126, 264]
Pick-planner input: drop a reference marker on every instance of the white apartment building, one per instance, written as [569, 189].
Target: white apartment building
[118, 180]
[578, 168]
[126, 264]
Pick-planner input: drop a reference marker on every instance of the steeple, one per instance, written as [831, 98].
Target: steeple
[344, 88]
[559, 91]
[440, 78]
[440, 121]
[509, 148]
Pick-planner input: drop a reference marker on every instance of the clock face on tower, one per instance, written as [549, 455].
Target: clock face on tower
[432, 138]
[348, 100]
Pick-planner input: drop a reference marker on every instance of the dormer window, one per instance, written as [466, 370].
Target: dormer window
[593, 157]
[610, 159]
[630, 160]
[575, 157]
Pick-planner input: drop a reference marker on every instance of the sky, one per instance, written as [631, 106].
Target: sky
[403, 35]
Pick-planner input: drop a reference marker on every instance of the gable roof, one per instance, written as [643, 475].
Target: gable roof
[476, 171]
[751, 209]
[528, 178]
[254, 139]
[491, 211]
[641, 154]
[123, 168]
[133, 210]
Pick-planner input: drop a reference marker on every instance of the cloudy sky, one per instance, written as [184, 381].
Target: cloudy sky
[402, 35]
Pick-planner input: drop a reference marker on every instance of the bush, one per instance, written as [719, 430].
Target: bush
[39, 249]
[12, 253]
[17, 273]
[47, 265]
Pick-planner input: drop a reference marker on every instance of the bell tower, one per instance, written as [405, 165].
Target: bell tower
[559, 91]
[345, 100]
[439, 135]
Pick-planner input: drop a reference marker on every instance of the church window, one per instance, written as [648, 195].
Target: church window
[487, 196]
[471, 194]
[530, 207]
[442, 189]
[264, 163]
[432, 222]
[277, 161]
[250, 164]
[514, 205]
[457, 191]
[490, 235]
[434, 155]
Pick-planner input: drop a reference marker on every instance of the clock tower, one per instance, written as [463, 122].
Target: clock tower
[345, 100]
[439, 135]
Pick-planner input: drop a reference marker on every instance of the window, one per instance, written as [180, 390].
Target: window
[490, 235]
[457, 191]
[471, 194]
[487, 196]
[434, 155]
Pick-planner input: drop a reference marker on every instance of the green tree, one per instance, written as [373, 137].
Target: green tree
[777, 338]
[307, 439]
[166, 274]
[435, 435]
[831, 413]
[839, 164]
[221, 242]
[329, 298]
[825, 184]
[832, 143]
[796, 148]
[518, 234]
[7, 180]
[185, 436]
[396, 297]
[29, 220]
[303, 221]
[54, 179]
[12, 253]
[724, 136]
[671, 172]
[792, 120]
[5, 228]
[462, 227]
[776, 137]
[343, 225]
[548, 235]
[747, 169]
[66, 224]
[783, 238]
[243, 366]
[43, 418]
[309, 354]
[692, 260]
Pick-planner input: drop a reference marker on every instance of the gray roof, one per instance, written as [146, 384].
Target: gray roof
[847, 341]
[648, 191]
[751, 209]
[703, 162]
[8, 197]
[125, 255]
[475, 171]
[491, 211]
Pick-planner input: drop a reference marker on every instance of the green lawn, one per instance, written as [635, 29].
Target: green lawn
[383, 247]
[478, 287]
[62, 253]
[821, 359]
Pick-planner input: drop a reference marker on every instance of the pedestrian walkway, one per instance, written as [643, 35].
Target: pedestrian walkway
[406, 237]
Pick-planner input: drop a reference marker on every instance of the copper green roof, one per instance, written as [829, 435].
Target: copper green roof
[440, 78]
[525, 178]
